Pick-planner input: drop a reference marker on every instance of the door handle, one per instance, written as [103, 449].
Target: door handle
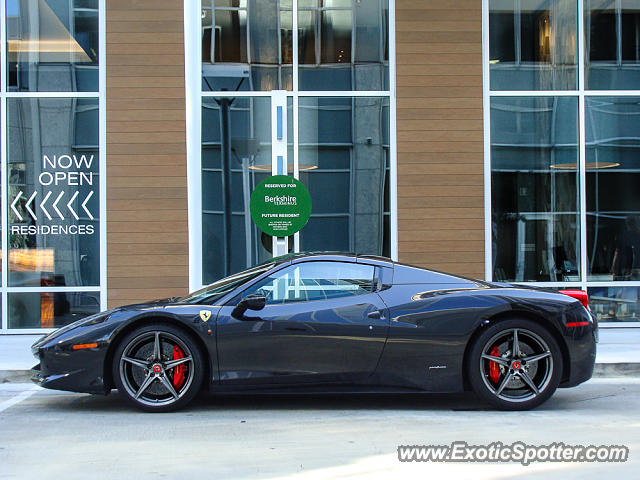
[374, 315]
[296, 329]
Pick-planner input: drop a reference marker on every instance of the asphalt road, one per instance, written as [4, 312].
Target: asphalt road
[46, 434]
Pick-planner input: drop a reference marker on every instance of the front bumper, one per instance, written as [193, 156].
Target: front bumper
[79, 371]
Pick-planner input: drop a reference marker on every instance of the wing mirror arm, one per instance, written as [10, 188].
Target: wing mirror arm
[255, 301]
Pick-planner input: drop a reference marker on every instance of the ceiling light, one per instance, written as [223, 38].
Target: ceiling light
[588, 165]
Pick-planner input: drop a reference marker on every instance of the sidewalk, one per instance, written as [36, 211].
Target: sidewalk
[15, 357]
[618, 354]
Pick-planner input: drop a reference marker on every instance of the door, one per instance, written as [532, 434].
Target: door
[323, 322]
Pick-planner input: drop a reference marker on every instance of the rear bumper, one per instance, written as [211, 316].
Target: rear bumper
[581, 343]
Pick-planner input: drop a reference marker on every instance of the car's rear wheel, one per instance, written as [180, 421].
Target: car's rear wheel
[158, 368]
[515, 364]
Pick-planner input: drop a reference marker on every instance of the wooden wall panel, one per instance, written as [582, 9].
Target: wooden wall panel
[147, 234]
[440, 134]
[440, 148]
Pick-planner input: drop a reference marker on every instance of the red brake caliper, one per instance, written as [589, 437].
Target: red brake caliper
[179, 371]
[494, 368]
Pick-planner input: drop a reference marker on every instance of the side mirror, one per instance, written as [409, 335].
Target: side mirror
[255, 301]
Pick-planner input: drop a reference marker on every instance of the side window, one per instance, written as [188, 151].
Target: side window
[315, 281]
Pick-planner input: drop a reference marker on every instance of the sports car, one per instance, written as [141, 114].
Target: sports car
[330, 323]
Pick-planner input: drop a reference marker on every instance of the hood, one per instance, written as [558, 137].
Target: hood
[151, 303]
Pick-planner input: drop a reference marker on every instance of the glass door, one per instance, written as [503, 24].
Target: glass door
[302, 88]
[244, 140]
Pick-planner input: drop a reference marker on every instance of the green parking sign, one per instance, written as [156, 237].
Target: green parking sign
[280, 205]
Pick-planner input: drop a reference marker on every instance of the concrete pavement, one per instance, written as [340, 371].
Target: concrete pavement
[47, 434]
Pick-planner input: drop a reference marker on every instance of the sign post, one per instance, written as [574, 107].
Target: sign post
[279, 151]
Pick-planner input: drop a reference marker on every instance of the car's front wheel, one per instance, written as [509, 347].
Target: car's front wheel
[158, 368]
[515, 365]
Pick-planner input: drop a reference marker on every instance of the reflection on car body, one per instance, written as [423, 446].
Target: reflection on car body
[326, 322]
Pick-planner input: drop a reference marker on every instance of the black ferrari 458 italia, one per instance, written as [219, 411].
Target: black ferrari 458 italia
[328, 322]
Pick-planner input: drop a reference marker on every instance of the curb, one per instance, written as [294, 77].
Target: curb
[601, 370]
[15, 376]
[609, 370]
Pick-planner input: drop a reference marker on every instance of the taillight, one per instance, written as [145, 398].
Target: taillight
[582, 296]
[578, 295]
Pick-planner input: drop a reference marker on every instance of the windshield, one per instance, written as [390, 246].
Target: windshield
[217, 290]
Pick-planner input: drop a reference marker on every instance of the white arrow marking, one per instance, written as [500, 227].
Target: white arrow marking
[84, 205]
[55, 205]
[13, 206]
[43, 202]
[26, 205]
[73, 212]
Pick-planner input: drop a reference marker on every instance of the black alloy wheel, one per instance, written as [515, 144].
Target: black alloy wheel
[515, 365]
[158, 368]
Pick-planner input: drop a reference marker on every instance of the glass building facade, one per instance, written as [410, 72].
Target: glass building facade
[51, 163]
[308, 88]
[564, 140]
[331, 83]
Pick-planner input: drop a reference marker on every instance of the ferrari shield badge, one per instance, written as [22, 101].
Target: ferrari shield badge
[205, 315]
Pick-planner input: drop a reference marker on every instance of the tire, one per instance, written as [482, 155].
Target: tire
[515, 382]
[158, 368]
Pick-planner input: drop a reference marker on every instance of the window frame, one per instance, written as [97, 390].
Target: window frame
[194, 94]
[581, 93]
[518, 30]
[100, 96]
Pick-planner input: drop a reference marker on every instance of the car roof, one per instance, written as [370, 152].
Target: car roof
[404, 273]
[410, 273]
[341, 257]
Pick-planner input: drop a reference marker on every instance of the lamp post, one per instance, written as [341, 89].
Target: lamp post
[245, 150]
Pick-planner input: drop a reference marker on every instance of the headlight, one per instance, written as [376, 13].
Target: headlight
[94, 319]
[83, 322]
